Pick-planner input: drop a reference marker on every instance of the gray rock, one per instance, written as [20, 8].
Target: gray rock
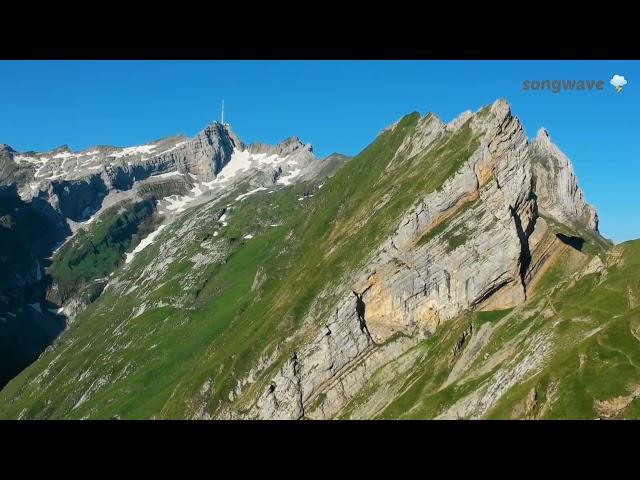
[557, 186]
[410, 288]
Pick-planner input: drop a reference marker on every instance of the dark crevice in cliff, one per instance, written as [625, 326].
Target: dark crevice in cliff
[360, 312]
[524, 259]
[298, 380]
[488, 293]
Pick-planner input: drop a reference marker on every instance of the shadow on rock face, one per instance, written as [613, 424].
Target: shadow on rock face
[574, 242]
[29, 232]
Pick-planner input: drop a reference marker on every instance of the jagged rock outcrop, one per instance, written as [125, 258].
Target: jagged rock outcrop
[300, 157]
[159, 189]
[557, 186]
[75, 183]
[297, 307]
[7, 165]
[482, 258]
[209, 151]
[289, 146]
[344, 338]
[75, 199]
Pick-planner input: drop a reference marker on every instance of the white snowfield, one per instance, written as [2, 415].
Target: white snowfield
[148, 240]
[287, 179]
[70, 164]
[175, 173]
[177, 203]
[242, 162]
[251, 192]
[65, 155]
[127, 151]
[196, 190]
[177, 145]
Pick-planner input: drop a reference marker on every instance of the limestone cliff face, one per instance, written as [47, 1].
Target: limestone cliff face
[344, 338]
[557, 185]
[209, 151]
[476, 243]
[444, 220]
[74, 183]
[75, 199]
[287, 147]
[300, 158]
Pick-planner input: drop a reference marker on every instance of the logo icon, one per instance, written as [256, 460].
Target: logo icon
[618, 81]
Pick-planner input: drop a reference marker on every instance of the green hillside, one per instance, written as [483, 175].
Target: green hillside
[229, 326]
[231, 281]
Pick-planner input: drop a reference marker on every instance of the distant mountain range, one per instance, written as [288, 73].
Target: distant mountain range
[47, 197]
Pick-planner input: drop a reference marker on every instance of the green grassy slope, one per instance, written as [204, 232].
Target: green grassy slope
[173, 340]
[95, 252]
[587, 332]
[155, 363]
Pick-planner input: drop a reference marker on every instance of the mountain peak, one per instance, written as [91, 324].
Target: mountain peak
[558, 187]
[293, 143]
[450, 241]
[544, 142]
[220, 131]
[286, 147]
[501, 104]
[543, 135]
[61, 149]
[459, 120]
[218, 127]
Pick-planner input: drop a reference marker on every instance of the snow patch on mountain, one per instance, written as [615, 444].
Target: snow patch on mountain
[251, 192]
[148, 240]
[288, 179]
[140, 149]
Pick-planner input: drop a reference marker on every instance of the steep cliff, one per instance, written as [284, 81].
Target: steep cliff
[448, 270]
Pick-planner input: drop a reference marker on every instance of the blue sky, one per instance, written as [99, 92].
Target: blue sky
[335, 105]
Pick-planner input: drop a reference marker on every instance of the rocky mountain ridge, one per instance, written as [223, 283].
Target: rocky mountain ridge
[410, 286]
[447, 271]
[75, 182]
[68, 191]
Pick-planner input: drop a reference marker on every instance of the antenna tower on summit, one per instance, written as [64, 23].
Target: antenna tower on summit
[222, 117]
